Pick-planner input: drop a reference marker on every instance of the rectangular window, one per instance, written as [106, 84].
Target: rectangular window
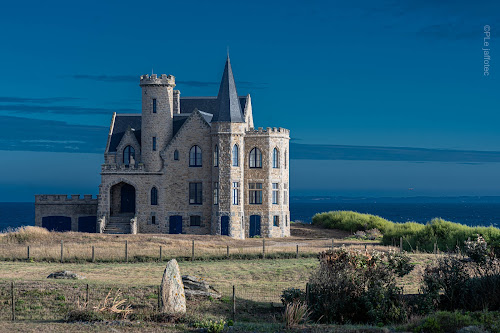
[195, 220]
[154, 143]
[153, 219]
[286, 220]
[236, 193]
[275, 193]
[276, 221]
[195, 194]
[285, 194]
[216, 193]
[255, 193]
[154, 105]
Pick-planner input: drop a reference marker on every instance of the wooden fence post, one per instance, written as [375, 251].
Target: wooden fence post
[12, 300]
[87, 299]
[192, 252]
[263, 248]
[126, 251]
[297, 254]
[234, 304]
[365, 248]
[93, 253]
[28, 252]
[307, 293]
[227, 250]
[62, 251]
[161, 256]
[159, 298]
[332, 244]
[400, 244]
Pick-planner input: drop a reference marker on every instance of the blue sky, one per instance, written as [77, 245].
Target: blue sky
[379, 96]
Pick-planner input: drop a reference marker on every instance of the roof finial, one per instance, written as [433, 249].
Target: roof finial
[151, 70]
[227, 51]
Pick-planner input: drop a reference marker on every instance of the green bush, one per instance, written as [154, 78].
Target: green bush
[355, 287]
[293, 295]
[447, 235]
[443, 322]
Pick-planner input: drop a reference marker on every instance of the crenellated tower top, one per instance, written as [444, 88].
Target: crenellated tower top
[155, 80]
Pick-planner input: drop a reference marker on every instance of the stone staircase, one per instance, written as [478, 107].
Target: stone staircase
[118, 224]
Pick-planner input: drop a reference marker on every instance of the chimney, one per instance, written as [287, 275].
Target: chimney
[177, 102]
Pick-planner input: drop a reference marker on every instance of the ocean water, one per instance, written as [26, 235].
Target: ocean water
[15, 214]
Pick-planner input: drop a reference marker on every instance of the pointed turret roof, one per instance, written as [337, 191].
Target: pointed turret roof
[228, 105]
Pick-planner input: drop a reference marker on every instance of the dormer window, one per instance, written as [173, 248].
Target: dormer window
[129, 156]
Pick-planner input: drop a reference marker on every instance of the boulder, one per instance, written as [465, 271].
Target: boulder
[195, 286]
[172, 290]
[65, 275]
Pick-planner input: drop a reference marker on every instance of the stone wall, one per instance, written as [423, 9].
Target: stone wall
[62, 205]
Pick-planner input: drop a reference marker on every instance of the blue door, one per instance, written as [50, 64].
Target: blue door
[57, 223]
[254, 226]
[175, 223]
[224, 225]
[127, 193]
[87, 223]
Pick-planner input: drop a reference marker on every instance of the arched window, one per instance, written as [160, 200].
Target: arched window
[255, 158]
[154, 196]
[235, 155]
[129, 156]
[276, 158]
[216, 156]
[176, 155]
[195, 156]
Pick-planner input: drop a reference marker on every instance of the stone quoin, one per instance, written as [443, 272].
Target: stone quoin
[191, 165]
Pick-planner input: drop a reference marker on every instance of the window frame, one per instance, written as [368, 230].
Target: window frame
[275, 193]
[154, 105]
[276, 158]
[154, 196]
[255, 195]
[196, 189]
[276, 220]
[196, 219]
[195, 156]
[235, 158]
[128, 154]
[176, 155]
[216, 156]
[235, 193]
[216, 193]
[255, 159]
[154, 143]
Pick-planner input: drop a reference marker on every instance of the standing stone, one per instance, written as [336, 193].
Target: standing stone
[172, 290]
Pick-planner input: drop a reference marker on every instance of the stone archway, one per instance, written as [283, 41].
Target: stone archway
[123, 199]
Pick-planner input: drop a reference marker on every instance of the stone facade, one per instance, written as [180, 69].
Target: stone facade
[183, 166]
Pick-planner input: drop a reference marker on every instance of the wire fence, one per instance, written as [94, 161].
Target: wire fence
[127, 251]
[34, 300]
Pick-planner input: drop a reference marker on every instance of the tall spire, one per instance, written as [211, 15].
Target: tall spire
[228, 105]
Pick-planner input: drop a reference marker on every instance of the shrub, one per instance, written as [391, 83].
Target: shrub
[212, 326]
[25, 234]
[459, 283]
[83, 314]
[477, 250]
[350, 221]
[351, 286]
[442, 322]
[292, 295]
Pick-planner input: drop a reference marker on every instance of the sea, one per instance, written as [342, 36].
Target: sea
[472, 211]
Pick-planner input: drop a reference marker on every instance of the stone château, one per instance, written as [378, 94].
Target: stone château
[193, 165]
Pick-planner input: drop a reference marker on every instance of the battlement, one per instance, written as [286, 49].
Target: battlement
[268, 131]
[65, 199]
[162, 80]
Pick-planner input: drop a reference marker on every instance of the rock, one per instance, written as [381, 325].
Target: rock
[172, 290]
[195, 286]
[65, 275]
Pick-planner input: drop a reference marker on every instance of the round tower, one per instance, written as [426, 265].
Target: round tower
[157, 118]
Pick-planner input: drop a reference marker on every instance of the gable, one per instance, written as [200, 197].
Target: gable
[120, 126]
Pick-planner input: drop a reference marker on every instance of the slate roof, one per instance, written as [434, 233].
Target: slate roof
[205, 104]
[228, 108]
[122, 122]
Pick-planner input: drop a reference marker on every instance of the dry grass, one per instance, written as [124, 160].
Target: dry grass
[45, 246]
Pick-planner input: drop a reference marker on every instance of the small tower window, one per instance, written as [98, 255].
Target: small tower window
[195, 157]
[216, 193]
[154, 196]
[154, 143]
[216, 156]
[235, 155]
[176, 155]
[285, 159]
[276, 158]
[153, 219]
[129, 156]
[255, 158]
[154, 105]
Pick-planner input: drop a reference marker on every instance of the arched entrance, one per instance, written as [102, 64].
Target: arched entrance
[122, 199]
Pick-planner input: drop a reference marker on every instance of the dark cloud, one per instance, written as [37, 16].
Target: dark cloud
[337, 152]
[48, 100]
[49, 135]
[190, 83]
[61, 109]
